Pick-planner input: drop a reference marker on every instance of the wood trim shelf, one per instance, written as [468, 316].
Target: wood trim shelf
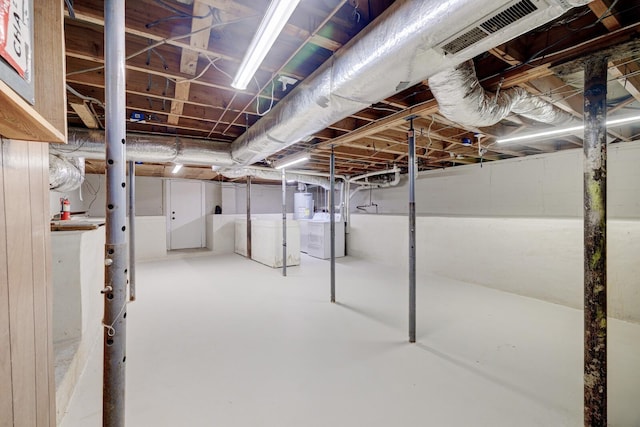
[19, 120]
[45, 121]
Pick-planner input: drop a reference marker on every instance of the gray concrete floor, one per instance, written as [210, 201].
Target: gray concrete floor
[218, 340]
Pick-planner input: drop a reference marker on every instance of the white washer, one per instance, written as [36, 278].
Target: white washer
[319, 240]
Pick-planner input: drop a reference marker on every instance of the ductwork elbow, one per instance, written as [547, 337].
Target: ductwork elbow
[65, 174]
[462, 99]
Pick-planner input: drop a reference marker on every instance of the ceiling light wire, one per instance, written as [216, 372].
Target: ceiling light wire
[165, 41]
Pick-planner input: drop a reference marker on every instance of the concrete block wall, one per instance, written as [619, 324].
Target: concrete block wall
[536, 257]
[548, 185]
[514, 225]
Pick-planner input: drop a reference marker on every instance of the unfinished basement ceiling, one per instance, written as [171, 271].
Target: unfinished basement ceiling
[181, 84]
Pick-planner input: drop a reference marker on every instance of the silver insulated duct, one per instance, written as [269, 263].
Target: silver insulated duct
[275, 175]
[148, 148]
[65, 174]
[411, 41]
[408, 43]
[463, 100]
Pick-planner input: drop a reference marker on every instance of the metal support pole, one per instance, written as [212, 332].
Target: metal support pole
[332, 213]
[115, 290]
[249, 217]
[412, 232]
[284, 222]
[132, 231]
[595, 242]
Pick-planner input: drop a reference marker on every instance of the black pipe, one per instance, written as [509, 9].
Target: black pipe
[595, 242]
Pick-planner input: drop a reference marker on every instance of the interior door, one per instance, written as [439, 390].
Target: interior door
[186, 216]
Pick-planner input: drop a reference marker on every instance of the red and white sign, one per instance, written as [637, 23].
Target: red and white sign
[15, 34]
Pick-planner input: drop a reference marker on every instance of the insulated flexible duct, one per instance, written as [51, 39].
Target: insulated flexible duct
[65, 174]
[275, 175]
[463, 100]
[147, 148]
[403, 46]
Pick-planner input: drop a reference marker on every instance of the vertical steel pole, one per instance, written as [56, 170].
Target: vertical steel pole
[115, 293]
[132, 231]
[284, 222]
[332, 213]
[595, 242]
[412, 232]
[249, 217]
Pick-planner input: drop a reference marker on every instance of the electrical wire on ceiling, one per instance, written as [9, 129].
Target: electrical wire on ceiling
[69, 4]
[539, 54]
[89, 102]
[179, 14]
[273, 85]
[165, 41]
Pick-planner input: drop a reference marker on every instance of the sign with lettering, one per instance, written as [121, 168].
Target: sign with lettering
[15, 35]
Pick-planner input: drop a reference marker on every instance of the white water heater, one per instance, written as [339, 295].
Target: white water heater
[302, 206]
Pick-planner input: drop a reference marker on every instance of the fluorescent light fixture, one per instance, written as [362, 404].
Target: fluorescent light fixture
[177, 168]
[562, 131]
[623, 120]
[277, 15]
[540, 134]
[290, 161]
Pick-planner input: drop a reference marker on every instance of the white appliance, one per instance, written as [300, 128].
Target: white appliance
[302, 206]
[319, 240]
[304, 234]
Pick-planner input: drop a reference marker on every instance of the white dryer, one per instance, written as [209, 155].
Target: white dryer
[319, 236]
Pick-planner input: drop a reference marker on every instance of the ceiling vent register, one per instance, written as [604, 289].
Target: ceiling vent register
[494, 24]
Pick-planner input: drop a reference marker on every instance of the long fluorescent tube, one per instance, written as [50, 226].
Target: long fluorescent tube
[177, 168]
[274, 20]
[565, 130]
[540, 134]
[292, 162]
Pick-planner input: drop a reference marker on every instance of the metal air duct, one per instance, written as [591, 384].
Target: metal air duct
[463, 100]
[408, 43]
[148, 148]
[411, 41]
[275, 175]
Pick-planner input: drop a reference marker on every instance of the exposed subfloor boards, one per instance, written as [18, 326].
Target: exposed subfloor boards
[222, 340]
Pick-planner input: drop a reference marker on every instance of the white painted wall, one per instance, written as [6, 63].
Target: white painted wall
[228, 192]
[221, 229]
[78, 276]
[149, 197]
[212, 196]
[515, 225]
[547, 185]
[536, 257]
[265, 198]
[151, 237]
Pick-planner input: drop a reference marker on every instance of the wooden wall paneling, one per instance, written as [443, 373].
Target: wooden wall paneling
[49, 63]
[38, 186]
[49, 289]
[20, 280]
[6, 391]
